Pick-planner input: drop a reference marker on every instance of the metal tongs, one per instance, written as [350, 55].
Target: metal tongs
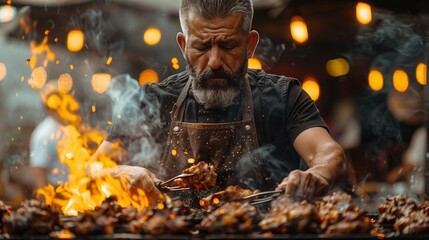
[261, 197]
[163, 187]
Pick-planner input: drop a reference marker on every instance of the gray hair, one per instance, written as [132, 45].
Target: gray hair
[210, 9]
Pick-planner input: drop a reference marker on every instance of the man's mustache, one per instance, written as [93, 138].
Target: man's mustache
[218, 73]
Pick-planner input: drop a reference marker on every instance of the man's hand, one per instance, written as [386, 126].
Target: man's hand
[325, 159]
[304, 185]
[138, 177]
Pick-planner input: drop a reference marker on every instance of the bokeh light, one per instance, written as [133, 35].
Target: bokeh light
[421, 73]
[65, 83]
[38, 78]
[152, 36]
[254, 63]
[375, 80]
[148, 76]
[337, 67]
[7, 13]
[175, 63]
[101, 82]
[298, 29]
[363, 13]
[400, 80]
[311, 86]
[3, 71]
[75, 40]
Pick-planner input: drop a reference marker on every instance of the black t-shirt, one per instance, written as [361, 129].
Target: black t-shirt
[282, 110]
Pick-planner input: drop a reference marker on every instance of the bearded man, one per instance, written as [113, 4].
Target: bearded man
[255, 128]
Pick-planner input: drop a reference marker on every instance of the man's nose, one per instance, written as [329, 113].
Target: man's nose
[215, 58]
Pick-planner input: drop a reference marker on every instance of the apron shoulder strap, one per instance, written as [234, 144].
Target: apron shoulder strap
[178, 115]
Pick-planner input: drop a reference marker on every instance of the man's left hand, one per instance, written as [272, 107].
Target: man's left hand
[304, 185]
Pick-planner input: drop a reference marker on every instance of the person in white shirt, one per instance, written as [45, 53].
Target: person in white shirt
[63, 111]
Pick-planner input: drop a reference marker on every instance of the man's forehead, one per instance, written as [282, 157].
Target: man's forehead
[232, 22]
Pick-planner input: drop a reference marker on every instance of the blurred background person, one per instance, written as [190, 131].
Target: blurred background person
[409, 107]
[62, 111]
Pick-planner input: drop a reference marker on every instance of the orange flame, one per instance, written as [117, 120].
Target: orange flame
[83, 191]
[41, 52]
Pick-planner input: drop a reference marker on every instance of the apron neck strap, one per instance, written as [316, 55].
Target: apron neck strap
[180, 101]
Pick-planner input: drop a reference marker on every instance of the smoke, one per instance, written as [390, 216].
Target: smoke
[391, 42]
[248, 169]
[136, 121]
[394, 42]
[100, 34]
[269, 53]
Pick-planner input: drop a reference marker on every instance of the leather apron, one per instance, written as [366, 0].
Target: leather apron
[231, 147]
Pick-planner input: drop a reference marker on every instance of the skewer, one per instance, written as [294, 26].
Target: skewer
[267, 196]
[183, 175]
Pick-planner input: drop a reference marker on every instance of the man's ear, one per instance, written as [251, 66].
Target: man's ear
[181, 40]
[252, 43]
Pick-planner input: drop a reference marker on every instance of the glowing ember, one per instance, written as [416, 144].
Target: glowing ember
[191, 160]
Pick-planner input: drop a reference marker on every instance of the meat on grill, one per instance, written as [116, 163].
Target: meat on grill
[204, 177]
[288, 216]
[404, 215]
[231, 193]
[339, 215]
[331, 214]
[231, 217]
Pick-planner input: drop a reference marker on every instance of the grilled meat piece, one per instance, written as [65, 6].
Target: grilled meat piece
[204, 178]
[231, 217]
[231, 193]
[33, 217]
[405, 214]
[395, 207]
[339, 215]
[5, 212]
[288, 216]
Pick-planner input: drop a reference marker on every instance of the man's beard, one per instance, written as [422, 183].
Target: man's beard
[220, 94]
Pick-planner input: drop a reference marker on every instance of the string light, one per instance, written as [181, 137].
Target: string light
[337, 67]
[400, 80]
[148, 76]
[298, 29]
[152, 36]
[75, 40]
[363, 13]
[421, 73]
[375, 80]
[311, 86]
[254, 63]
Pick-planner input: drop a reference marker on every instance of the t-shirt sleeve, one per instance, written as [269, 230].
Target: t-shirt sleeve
[302, 111]
[42, 148]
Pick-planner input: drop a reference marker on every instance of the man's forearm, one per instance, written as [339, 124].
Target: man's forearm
[329, 162]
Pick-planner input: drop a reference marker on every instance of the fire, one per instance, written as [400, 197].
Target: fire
[85, 189]
[41, 52]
